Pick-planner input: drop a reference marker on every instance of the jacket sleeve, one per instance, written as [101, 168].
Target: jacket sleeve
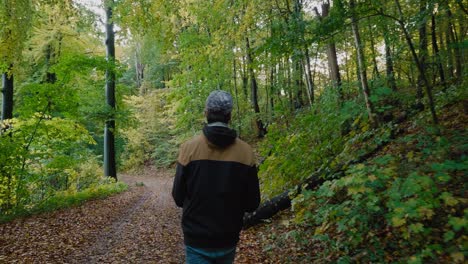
[253, 190]
[179, 189]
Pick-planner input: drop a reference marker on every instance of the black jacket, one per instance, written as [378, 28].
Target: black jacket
[216, 183]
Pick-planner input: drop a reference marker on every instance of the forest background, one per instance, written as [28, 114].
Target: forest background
[319, 87]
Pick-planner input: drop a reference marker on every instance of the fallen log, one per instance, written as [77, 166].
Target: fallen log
[278, 203]
[283, 201]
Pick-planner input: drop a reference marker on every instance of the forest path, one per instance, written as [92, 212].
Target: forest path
[141, 225]
[149, 229]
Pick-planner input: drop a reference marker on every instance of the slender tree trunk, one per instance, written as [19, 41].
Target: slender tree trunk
[234, 76]
[310, 81]
[254, 91]
[50, 76]
[375, 70]
[435, 48]
[450, 63]
[272, 87]
[362, 66]
[140, 69]
[422, 54]
[457, 51]
[280, 82]
[299, 103]
[331, 55]
[245, 78]
[289, 85]
[109, 148]
[463, 29]
[389, 64]
[7, 91]
[334, 68]
[418, 64]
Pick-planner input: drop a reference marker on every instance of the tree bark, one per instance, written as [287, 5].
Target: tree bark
[272, 88]
[375, 70]
[139, 69]
[7, 91]
[234, 76]
[299, 103]
[245, 78]
[418, 64]
[109, 148]
[289, 84]
[435, 48]
[450, 63]
[362, 66]
[331, 55]
[309, 79]
[457, 51]
[389, 64]
[254, 92]
[50, 56]
[422, 54]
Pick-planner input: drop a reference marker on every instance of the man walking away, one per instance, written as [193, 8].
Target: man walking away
[216, 183]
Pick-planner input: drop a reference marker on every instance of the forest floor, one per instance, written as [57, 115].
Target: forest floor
[141, 225]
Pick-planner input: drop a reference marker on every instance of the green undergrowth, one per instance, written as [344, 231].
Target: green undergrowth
[404, 204]
[66, 199]
[296, 147]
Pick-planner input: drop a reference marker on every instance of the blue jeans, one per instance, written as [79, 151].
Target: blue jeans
[209, 256]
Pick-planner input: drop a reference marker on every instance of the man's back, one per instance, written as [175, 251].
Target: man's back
[217, 185]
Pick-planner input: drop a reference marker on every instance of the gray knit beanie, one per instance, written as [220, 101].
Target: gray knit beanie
[219, 101]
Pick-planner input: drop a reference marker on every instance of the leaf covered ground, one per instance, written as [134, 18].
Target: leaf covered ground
[141, 225]
[137, 226]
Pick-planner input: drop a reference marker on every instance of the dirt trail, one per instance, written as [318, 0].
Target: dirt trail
[141, 225]
[138, 226]
[148, 231]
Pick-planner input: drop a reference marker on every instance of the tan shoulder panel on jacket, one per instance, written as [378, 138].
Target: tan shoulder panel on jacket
[199, 148]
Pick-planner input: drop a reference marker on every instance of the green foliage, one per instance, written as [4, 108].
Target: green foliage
[151, 137]
[15, 22]
[42, 155]
[400, 207]
[297, 146]
[65, 199]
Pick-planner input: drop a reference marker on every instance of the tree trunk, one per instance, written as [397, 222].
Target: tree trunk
[389, 64]
[278, 203]
[245, 78]
[272, 88]
[309, 79]
[7, 102]
[254, 92]
[457, 51]
[331, 55]
[140, 69]
[450, 63]
[334, 68]
[234, 76]
[418, 64]
[50, 76]
[362, 66]
[290, 72]
[109, 149]
[422, 54]
[299, 103]
[435, 48]
[375, 70]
